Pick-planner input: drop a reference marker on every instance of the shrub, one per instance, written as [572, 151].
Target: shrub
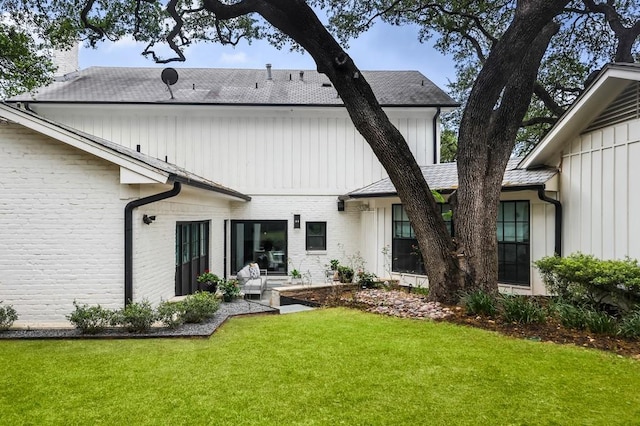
[583, 279]
[7, 316]
[585, 318]
[479, 302]
[171, 314]
[135, 317]
[522, 309]
[90, 319]
[230, 289]
[630, 325]
[199, 307]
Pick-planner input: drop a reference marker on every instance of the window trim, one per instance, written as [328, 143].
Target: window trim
[324, 236]
[501, 244]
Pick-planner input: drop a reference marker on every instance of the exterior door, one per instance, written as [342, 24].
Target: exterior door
[192, 255]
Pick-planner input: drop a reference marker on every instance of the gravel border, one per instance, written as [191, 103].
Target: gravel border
[205, 329]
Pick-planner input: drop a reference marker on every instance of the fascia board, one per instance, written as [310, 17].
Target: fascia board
[581, 113]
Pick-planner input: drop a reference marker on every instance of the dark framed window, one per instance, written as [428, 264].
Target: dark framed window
[513, 227]
[316, 236]
[192, 255]
[405, 253]
[261, 241]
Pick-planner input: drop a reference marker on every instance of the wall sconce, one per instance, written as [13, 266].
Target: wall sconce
[148, 219]
[340, 205]
[296, 221]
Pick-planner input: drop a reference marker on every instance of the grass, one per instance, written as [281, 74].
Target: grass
[323, 367]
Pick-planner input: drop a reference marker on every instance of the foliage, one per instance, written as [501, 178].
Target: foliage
[584, 317]
[424, 291]
[479, 302]
[630, 325]
[171, 314]
[137, 317]
[296, 274]
[367, 279]
[200, 306]
[582, 279]
[7, 316]
[176, 381]
[448, 146]
[90, 319]
[570, 315]
[521, 309]
[333, 264]
[345, 274]
[207, 276]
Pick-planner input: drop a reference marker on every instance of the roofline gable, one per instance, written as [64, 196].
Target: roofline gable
[611, 81]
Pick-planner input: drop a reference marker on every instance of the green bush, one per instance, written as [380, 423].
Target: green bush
[630, 325]
[199, 306]
[570, 316]
[522, 309]
[601, 322]
[90, 319]
[345, 274]
[479, 302]
[368, 280]
[171, 314]
[583, 279]
[136, 317]
[7, 316]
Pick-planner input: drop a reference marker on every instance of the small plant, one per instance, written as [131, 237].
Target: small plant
[209, 281]
[422, 291]
[90, 319]
[333, 264]
[296, 274]
[7, 316]
[171, 314]
[367, 279]
[200, 306]
[522, 309]
[630, 325]
[345, 274]
[570, 316]
[601, 322]
[479, 302]
[136, 317]
[230, 289]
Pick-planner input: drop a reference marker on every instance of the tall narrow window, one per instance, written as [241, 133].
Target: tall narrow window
[405, 253]
[514, 264]
[192, 255]
[316, 236]
[261, 241]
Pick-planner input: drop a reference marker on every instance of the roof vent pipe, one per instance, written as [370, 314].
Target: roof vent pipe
[301, 75]
[269, 72]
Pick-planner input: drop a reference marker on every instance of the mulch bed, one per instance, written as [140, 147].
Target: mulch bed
[551, 331]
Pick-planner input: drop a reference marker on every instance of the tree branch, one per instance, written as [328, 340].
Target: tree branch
[547, 99]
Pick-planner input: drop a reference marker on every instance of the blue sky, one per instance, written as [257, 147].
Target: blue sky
[382, 48]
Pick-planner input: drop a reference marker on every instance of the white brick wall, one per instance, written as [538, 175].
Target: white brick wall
[343, 228]
[60, 226]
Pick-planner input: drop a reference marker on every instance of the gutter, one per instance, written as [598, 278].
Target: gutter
[128, 235]
[435, 135]
[558, 215]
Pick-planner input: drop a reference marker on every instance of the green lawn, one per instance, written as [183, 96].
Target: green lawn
[328, 367]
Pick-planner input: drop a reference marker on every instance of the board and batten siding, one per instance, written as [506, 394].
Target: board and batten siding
[599, 184]
[256, 150]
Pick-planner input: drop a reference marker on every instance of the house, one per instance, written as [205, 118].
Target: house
[124, 184]
[574, 192]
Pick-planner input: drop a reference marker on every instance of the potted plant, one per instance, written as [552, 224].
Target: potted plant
[230, 289]
[333, 265]
[296, 276]
[345, 274]
[208, 281]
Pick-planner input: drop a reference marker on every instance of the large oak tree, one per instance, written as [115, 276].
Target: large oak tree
[511, 39]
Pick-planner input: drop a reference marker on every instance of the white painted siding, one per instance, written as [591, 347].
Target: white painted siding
[599, 183]
[256, 150]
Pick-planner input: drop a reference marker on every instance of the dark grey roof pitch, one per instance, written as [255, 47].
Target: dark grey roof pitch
[233, 86]
[444, 177]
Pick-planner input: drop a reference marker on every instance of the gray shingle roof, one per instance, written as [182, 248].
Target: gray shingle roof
[233, 86]
[443, 177]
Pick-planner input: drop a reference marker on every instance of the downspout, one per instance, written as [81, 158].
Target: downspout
[558, 205]
[435, 135]
[128, 235]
